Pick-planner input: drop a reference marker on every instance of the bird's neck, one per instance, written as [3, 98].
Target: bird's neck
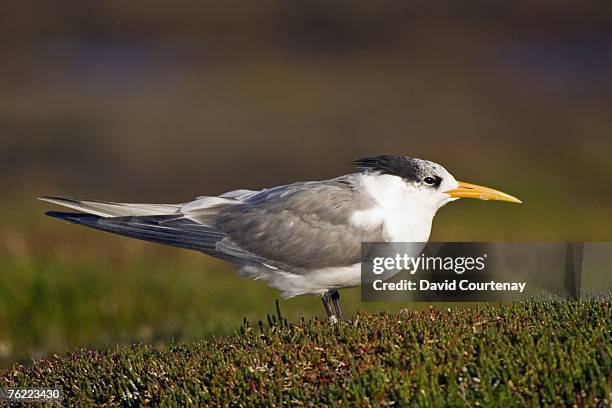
[404, 227]
[403, 216]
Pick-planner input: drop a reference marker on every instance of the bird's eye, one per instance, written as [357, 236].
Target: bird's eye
[430, 180]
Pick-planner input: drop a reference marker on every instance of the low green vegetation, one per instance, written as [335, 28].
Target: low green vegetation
[523, 354]
[130, 292]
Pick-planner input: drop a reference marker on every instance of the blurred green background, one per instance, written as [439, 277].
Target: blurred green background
[161, 102]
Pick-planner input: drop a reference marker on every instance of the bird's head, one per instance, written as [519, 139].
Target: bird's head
[427, 182]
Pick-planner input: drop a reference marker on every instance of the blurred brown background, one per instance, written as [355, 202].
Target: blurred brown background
[163, 101]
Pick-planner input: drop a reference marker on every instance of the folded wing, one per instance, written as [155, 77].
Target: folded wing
[295, 228]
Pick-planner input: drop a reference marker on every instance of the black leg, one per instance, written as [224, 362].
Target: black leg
[335, 297]
[328, 310]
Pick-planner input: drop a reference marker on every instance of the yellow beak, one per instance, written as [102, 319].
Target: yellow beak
[467, 190]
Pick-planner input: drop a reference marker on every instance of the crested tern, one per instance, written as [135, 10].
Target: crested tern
[300, 238]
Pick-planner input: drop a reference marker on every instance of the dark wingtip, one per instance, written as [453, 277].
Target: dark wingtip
[61, 215]
[71, 217]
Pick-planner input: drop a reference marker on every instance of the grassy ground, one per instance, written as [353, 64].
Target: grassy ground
[515, 355]
[50, 305]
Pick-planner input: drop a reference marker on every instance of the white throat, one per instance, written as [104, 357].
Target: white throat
[405, 214]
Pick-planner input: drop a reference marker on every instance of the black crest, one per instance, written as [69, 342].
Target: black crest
[405, 167]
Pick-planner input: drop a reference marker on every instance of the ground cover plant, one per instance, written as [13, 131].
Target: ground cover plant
[549, 353]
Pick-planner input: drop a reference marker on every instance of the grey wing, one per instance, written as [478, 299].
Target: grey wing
[297, 227]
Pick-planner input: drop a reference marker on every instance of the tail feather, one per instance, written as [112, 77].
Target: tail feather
[110, 209]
